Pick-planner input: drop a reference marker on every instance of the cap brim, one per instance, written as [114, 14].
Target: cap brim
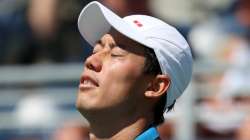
[95, 20]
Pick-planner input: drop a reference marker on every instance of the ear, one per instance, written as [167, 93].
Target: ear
[158, 86]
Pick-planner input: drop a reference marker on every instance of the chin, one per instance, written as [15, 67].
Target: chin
[84, 110]
[85, 99]
[83, 105]
[86, 105]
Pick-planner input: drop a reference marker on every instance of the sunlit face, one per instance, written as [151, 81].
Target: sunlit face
[113, 78]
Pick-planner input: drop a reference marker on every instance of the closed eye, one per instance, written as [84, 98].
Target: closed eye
[116, 55]
[97, 47]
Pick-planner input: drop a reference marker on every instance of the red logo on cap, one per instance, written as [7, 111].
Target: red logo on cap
[138, 23]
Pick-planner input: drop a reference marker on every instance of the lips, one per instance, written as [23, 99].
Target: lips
[88, 82]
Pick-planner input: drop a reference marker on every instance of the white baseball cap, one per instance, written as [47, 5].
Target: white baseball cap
[171, 49]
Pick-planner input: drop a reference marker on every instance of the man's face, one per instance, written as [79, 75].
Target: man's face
[113, 78]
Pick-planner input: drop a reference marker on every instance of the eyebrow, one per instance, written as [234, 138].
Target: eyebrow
[102, 44]
[99, 42]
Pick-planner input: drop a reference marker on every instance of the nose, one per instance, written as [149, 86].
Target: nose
[94, 62]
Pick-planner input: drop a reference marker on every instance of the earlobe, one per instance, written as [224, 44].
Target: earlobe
[158, 86]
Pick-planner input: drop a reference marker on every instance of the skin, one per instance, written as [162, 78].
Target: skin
[71, 131]
[120, 105]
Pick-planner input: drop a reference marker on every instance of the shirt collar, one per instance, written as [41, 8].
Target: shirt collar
[149, 134]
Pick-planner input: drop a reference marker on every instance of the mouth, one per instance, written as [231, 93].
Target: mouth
[87, 82]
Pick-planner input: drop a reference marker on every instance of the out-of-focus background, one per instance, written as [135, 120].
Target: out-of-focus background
[42, 55]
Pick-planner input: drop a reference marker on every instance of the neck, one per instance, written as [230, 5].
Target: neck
[114, 129]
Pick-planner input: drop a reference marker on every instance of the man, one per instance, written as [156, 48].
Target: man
[139, 67]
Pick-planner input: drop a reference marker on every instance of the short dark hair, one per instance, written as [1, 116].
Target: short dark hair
[152, 66]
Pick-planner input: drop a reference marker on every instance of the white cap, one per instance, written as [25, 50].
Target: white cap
[171, 49]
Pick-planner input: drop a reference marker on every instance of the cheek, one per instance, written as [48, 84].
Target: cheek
[122, 77]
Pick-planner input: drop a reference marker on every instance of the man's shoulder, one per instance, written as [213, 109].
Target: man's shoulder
[149, 134]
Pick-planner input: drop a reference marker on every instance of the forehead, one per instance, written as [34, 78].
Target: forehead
[120, 40]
